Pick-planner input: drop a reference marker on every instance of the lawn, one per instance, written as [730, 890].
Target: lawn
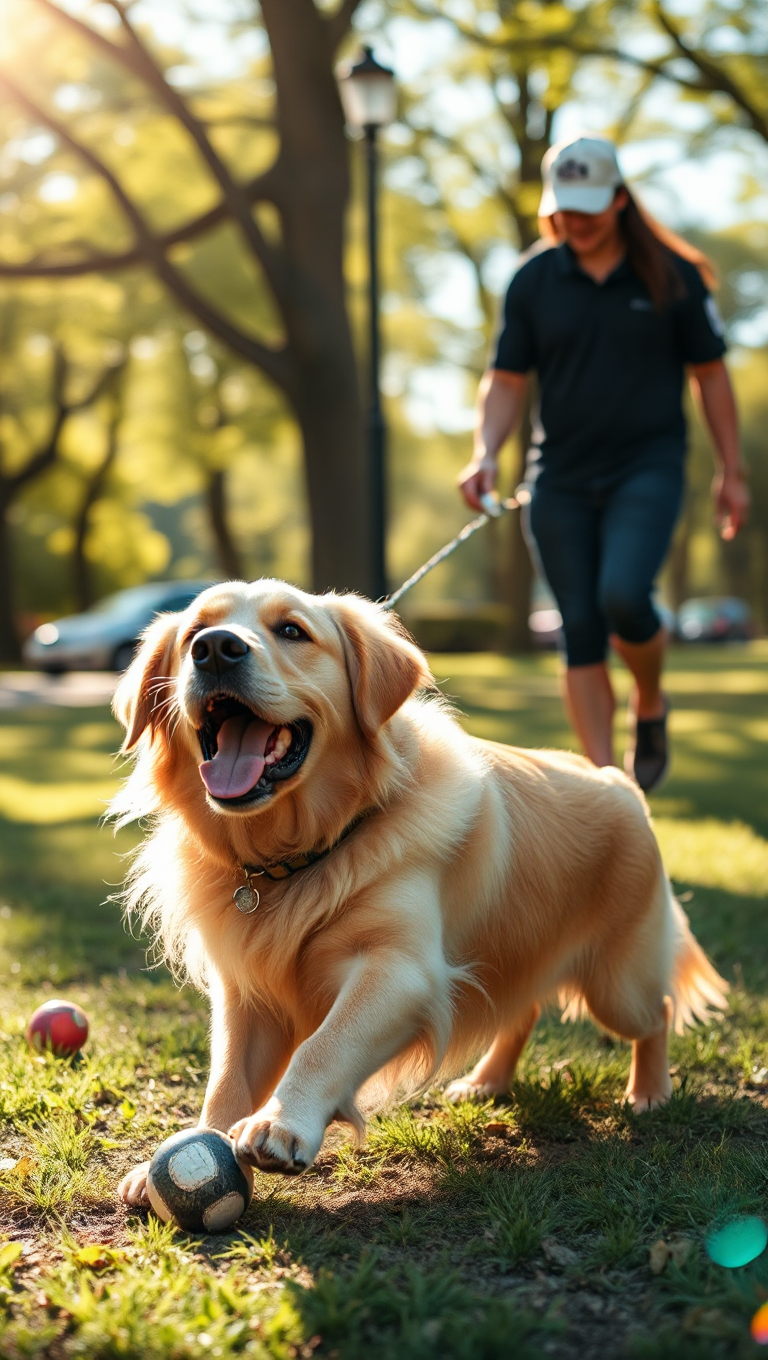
[526, 1228]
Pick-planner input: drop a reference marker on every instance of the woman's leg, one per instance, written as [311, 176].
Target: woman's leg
[563, 531]
[591, 704]
[636, 530]
[645, 660]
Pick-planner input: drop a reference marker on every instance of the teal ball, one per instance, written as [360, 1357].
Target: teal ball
[196, 1180]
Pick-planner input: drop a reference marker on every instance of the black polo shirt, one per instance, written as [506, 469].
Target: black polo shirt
[610, 368]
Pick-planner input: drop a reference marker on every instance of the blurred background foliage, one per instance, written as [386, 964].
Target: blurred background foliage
[176, 458]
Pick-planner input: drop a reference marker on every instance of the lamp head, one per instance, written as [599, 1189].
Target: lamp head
[368, 92]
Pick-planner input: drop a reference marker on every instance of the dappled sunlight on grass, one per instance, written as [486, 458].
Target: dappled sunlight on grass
[26, 801]
[519, 1226]
[714, 854]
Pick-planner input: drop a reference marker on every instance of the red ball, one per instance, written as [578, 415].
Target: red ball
[59, 1026]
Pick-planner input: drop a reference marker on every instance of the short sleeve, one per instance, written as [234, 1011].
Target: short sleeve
[514, 351]
[700, 328]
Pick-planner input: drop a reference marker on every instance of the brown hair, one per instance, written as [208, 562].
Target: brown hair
[648, 250]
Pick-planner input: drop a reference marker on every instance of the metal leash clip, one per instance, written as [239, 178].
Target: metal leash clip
[246, 898]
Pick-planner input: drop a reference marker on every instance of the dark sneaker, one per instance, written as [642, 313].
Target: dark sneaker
[648, 760]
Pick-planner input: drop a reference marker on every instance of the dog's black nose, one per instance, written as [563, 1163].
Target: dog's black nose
[216, 650]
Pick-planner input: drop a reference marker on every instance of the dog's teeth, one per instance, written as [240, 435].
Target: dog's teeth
[282, 744]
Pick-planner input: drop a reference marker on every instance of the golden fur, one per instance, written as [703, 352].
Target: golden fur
[482, 881]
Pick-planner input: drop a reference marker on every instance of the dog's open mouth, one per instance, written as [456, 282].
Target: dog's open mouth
[244, 754]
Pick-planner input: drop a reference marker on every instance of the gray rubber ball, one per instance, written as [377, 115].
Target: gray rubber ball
[195, 1179]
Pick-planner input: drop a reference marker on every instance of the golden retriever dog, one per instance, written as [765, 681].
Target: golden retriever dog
[364, 890]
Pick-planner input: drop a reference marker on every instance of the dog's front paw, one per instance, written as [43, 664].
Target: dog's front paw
[272, 1143]
[467, 1089]
[133, 1187]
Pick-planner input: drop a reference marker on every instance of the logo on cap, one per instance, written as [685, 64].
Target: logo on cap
[572, 169]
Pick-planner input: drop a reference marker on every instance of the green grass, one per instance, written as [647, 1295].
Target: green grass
[521, 1228]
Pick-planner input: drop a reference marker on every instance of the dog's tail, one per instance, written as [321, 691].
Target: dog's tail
[697, 988]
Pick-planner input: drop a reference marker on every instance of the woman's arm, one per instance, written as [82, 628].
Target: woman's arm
[500, 408]
[712, 389]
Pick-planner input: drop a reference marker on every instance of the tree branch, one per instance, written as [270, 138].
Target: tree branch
[137, 58]
[338, 23]
[259, 192]
[93, 488]
[570, 43]
[485, 176]
[714, 78]
[273, 362]
[46, 455]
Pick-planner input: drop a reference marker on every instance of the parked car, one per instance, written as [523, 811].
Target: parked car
[725, 619]
[105, 637]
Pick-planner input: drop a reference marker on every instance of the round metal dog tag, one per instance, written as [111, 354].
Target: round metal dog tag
[246, 898]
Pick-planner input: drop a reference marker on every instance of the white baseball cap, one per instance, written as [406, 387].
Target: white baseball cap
[579, 176]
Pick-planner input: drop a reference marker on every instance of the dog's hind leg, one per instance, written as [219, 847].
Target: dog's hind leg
[649, 1082]
[632, 1002]
[493, 1074]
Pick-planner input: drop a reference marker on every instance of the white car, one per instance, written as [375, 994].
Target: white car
[105, 637]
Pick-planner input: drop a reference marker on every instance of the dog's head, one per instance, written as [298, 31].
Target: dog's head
[268, 691]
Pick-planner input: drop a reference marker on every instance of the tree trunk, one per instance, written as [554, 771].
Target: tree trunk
[312, 196]
[10, 648]
[226, 550]
[84, 593]
[337, 485]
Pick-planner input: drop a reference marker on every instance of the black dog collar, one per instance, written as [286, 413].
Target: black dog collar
[246, 897]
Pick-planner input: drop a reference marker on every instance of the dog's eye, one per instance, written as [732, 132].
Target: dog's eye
[293, 632]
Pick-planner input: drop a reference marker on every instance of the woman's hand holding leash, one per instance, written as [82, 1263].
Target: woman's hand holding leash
[478, 479]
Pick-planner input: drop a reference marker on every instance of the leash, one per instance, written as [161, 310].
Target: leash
[493, 509]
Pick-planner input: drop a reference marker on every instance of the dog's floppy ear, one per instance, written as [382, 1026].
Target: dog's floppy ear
[384, 666]
[141, 694]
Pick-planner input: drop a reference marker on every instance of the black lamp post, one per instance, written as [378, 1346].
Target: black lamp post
[369, 96]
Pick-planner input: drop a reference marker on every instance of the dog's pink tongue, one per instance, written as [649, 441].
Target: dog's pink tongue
[239, 761]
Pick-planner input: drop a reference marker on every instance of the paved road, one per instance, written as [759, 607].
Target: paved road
[78, 689]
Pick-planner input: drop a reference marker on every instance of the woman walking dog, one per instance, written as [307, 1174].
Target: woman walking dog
[609, 311]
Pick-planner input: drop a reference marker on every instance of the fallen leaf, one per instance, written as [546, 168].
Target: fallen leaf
[9, 1254]
[658, 1256]
[557, 1254]
[23, 1167]
[97, 1256]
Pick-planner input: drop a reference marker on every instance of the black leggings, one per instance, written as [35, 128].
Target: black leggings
[600, 551]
